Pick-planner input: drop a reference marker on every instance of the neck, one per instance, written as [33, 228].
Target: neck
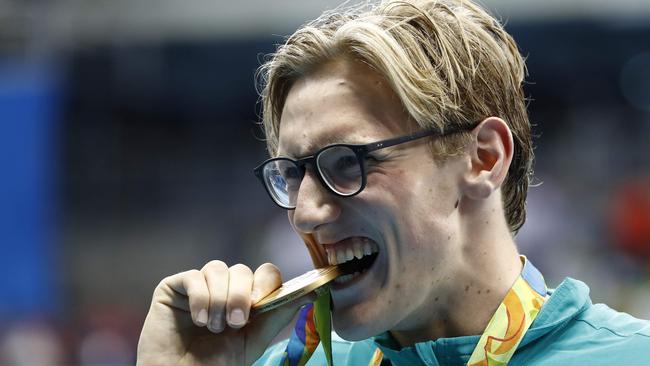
[488, 267]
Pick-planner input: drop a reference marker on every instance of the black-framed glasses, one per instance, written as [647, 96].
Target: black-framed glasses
[341, 168]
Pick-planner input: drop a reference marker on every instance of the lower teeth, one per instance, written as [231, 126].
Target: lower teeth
[346, 278]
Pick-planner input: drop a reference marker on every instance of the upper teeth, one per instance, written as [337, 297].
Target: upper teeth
[346, 252]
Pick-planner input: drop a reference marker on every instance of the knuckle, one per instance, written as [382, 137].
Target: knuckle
[166, 282]
[193, 272]
[194, 282]
[268, 275]
[269, 267]
[190, 276]
[241, 269]
[163, 283]
[215, 265]
[162, 289]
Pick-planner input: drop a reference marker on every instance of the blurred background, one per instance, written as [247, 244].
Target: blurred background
[128, 138]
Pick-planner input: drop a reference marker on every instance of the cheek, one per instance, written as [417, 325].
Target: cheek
[390, 186]
[420, 208]
[413, 192]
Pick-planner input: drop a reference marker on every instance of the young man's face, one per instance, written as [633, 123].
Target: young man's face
[406, 211]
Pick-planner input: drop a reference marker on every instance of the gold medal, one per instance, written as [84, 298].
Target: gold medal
[295, 288]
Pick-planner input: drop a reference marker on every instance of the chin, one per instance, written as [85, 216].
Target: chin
[354, 328]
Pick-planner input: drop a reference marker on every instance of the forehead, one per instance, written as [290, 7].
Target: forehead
[341, 102]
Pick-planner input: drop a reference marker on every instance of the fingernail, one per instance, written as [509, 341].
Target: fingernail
[215, 324]
[237, 317]
[202, 318]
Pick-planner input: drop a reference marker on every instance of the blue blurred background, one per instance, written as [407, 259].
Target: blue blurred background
[128, 138]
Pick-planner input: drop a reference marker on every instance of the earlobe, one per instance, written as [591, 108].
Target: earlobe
[490, 153]
[478, 187]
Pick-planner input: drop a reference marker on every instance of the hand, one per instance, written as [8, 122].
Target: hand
[202, 317]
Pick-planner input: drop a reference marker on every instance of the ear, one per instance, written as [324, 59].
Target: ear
[490, 153]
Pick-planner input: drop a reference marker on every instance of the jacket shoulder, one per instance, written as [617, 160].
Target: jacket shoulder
[598, 335]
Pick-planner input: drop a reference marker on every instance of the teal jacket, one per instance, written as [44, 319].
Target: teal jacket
[569, 330]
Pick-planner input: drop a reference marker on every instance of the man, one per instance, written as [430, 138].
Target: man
[413, 120]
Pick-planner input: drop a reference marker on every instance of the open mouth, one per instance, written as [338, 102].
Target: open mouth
[354, 257]
[355, 267]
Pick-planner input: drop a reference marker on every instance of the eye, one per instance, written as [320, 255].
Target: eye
[292, 176]
[290, 173]
[376, 159]
[346, 162]
[373, 159]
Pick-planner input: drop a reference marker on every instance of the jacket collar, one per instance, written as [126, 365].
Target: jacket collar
[565, 303]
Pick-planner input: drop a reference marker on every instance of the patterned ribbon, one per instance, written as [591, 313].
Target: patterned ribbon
[313, 319]
[303, 341]
[314, 325]
[512, 319]
[496, 346]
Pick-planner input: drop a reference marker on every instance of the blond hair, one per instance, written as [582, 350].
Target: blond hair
[448, 61]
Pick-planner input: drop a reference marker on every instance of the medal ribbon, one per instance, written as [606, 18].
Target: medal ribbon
[314, 325]
[512, 319]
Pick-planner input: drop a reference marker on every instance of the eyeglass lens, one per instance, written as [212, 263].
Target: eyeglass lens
[339, 167]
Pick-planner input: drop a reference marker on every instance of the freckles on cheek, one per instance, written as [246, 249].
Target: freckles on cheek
[394, 184]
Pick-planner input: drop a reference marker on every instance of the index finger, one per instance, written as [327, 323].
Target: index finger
[188, 291]
[266, 278]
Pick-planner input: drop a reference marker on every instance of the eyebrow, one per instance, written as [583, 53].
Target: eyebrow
[338, 139]
[331, 139]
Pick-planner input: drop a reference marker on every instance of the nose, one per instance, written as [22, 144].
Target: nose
[315, 205]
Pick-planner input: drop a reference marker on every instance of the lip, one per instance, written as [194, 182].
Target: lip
[344, 241]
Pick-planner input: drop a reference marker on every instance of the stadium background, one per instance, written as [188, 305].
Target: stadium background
[128, 138]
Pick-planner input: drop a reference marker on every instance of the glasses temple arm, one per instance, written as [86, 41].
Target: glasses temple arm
[398, 140]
